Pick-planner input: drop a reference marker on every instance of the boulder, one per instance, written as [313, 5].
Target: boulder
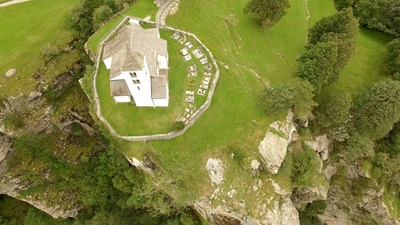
[215, 170]
[221, 215]
[321, 144]
[329, 172]
[273, 147]
[11, 72]
[282, 214]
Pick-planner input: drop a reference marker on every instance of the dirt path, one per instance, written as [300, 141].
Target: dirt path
[12, 2]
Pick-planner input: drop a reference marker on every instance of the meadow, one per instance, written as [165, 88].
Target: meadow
[23, 34]
[249, 57]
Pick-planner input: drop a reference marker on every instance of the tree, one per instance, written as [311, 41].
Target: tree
[317, 65]
[377, 108]
[333, 109]
[48, 52]
[343, 22]
[296, 95]
[356, 147]
[392, 55]
[266, 12]
[342, 4]
[101, 14]
[345, 49]
[381, 15]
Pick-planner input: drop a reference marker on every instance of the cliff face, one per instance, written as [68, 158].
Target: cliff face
[36, 117]
[249, 194]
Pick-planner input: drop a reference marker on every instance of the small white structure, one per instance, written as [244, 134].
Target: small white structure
[138, 62]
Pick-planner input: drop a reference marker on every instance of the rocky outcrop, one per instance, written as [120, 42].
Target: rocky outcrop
[274, 146]
[36, 116]
[11, 188]
[222, 215]
[282, 214]
[346, 206]
[215, 170]
[5, 146]
[309, 194]
[321, 144]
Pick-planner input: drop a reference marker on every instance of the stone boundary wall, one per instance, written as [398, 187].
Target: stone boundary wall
[163, 11]
[189, 122]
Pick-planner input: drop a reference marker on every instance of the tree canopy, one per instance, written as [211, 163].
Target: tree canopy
[377, 108]
[267, 12]
[333, 109]
[342, 23]
[392, 55]
[297, 95]
[317, 65]
[381, 15]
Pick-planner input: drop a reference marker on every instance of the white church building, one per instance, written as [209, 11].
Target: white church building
[138, 62]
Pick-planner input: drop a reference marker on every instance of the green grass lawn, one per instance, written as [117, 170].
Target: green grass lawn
[233, 117]
[366, 66]
[24, 29]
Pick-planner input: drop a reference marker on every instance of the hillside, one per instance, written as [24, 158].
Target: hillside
[237, 164]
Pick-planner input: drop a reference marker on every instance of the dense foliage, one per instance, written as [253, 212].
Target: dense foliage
[296, 95]
[317, 65]
[377, 108]
[266, 12]
[393, 58]
[381, 15]
[331, 45]
[333, 111]
[87, 16]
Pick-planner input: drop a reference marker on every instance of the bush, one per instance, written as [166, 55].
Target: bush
[48, 52]
[178, 125]
[13, 121]
[235, 151]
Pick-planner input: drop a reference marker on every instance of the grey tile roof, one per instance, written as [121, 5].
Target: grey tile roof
[158, 87]
[119, 88]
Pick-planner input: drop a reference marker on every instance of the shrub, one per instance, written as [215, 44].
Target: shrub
[13, 121]
[178, 125]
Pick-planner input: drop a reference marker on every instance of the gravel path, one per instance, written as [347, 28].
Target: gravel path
[12, 2]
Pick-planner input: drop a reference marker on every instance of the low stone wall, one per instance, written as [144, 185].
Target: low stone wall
[189, 122]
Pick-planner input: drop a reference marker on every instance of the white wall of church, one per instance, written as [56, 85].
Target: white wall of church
[122, 98]
[160, 102]
[107, 62]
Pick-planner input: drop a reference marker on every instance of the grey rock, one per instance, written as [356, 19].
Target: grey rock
[11, 72]
[274, 146]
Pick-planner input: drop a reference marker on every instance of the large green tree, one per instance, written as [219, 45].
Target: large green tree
[296, 95]
[266, 12]
[382, 15]
[317, 65]
[333, 108]
[377, 108]
[342, 23]
[393, 58]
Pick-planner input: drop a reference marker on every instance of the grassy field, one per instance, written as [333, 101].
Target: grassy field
[243, 51]
[233, 117]
[24, 29]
